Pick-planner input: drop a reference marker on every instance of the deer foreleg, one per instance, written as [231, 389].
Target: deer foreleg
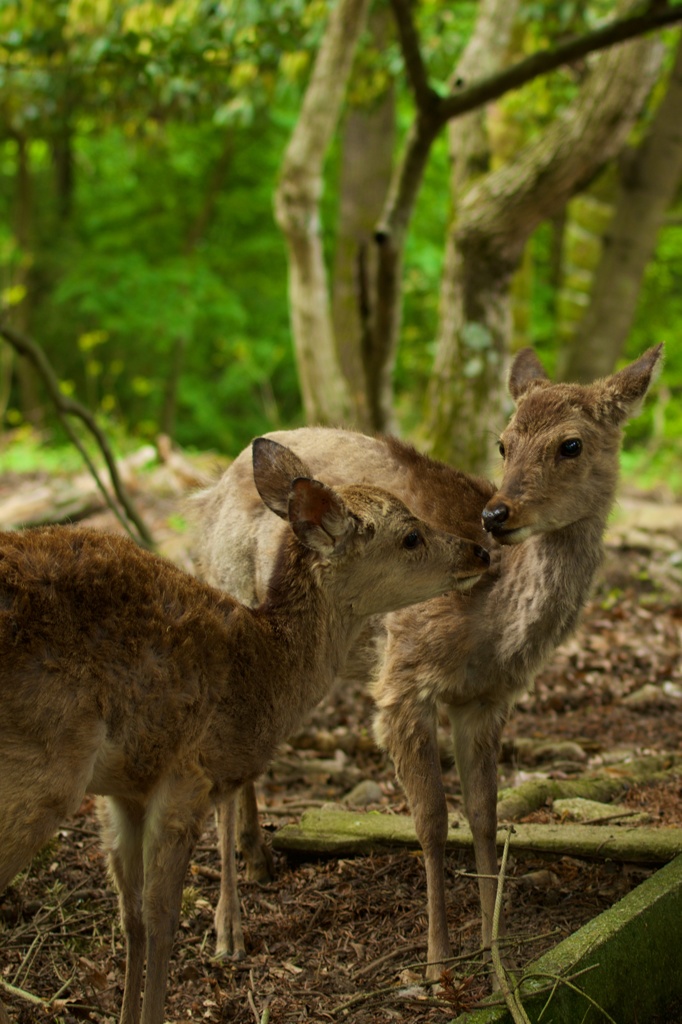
[173, 825]
[413, 746]
[122, 826]
[476, 730]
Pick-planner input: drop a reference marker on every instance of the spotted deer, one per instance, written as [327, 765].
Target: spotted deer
[122, 676]
[471, 655]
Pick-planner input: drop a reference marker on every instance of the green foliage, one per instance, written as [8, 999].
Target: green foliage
[141, 58]
[25, 451]
[160, 253]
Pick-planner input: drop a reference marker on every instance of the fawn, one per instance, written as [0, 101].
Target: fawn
[122, 676]
[471, 655]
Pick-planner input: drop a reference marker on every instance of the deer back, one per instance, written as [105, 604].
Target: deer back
[443, 497]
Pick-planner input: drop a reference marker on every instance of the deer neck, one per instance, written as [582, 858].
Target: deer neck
[544, 584]
[308, 629]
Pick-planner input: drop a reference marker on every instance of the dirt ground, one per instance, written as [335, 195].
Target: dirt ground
[343, 939]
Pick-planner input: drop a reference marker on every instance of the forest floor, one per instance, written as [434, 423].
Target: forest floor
[342, 938]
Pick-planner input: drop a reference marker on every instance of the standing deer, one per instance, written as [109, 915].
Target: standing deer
[122, 676]
[472, 655]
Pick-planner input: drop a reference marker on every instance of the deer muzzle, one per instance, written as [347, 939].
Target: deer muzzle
[496, 518]
[477, 566]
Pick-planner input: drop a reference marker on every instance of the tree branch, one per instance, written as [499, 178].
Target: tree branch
[65, 407]
[432, 116]
[544, 61]
[424, 95]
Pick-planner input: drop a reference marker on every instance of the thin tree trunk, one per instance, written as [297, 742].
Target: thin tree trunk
[365, 174]
[647, 187]
[325, 393]
[366, 165]
[470, 155]
[495, 219]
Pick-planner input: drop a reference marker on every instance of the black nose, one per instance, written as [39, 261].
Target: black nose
[494, 516]
[482, 554]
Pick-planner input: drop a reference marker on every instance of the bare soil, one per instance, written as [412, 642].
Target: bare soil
[343, 939]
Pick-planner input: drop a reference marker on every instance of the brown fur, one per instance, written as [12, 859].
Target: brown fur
[470, 654]
[122, 676]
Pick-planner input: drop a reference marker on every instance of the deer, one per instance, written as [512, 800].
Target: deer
[125, 677]
[469, 656]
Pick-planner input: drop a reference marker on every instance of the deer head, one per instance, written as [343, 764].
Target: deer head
[561, 447]
[365, 544]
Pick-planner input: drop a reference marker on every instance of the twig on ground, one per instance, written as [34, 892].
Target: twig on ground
[546, 989]
[31, 953]
[559, 980]
[204, 871]
[511, 996]
[391, 955]
[252, 1006]
[20, 993]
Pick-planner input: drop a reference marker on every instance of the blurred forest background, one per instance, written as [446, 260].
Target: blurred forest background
[220, 217]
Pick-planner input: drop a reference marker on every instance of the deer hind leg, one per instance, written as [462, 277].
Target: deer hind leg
[122, 836]
[37, 793]
[251, 842]
[228, 921]
[476, 731]
[410, 737]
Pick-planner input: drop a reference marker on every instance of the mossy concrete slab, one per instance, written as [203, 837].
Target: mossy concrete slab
[628, 961]
[335, 832]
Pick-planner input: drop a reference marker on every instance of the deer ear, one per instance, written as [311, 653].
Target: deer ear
[623, 393]
[318, 516]
[274, 470]
[526, 371]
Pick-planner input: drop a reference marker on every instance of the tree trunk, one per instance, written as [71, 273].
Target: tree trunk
[495, 218]
[470, 157]
[325, 394]
[588, 215]
[647, 187]
[366, 163]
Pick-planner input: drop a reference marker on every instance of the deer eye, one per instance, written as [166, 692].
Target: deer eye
[412, 540]
[501, 448]
[569, 449]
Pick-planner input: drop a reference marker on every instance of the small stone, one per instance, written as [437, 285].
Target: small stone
[366, 792]
[580, 809]
[565, 750]
[543, 879]
[647, 696]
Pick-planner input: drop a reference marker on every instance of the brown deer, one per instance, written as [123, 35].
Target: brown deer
[122, 676]
[471, 655]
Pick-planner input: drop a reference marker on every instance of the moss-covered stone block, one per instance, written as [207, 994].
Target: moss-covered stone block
[626, 963]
